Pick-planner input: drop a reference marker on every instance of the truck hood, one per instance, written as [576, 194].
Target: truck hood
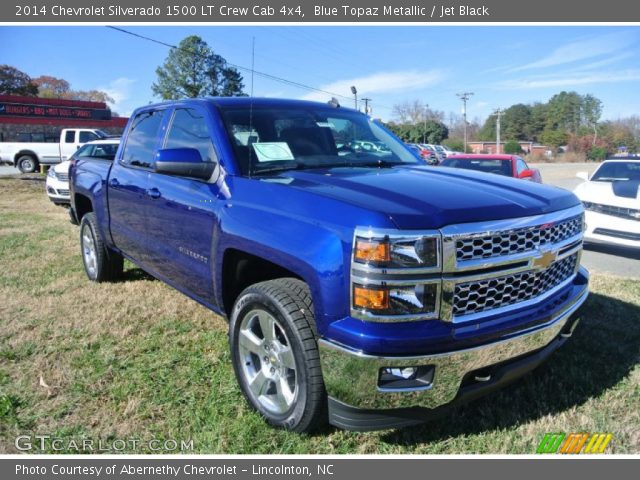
[430, 197]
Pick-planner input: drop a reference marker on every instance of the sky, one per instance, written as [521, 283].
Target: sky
[501, 65]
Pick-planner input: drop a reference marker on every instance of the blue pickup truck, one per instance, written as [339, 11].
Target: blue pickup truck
[361, 287]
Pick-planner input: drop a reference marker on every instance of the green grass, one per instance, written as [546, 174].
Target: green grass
[136, 359]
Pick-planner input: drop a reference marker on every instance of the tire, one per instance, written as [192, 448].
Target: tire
[279, 372]
[101, 264]
[27, 164]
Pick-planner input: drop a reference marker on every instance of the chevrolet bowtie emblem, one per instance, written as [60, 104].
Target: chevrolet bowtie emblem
[545, 259]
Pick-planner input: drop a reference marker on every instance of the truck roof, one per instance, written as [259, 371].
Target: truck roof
[245, 102]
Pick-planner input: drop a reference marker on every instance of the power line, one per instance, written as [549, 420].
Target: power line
[239, 67]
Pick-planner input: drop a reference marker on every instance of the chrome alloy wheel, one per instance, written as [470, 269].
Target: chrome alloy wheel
[89, 252]
[267, 362]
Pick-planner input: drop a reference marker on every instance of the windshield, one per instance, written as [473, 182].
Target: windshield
[616, 171]
[481, 165]
[268, 140]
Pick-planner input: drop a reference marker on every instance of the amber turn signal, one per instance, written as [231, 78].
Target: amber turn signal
[372, 251]
[370, 299]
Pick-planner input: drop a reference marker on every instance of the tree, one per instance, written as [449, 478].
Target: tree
[554, 138]
[91, 96]
[51, 87]
[592, 109]
[456, 127]
[597, 153]
[512, 147]
[16, 82]
[415, 111]
[435, 132]
[454, 144]
[565, 112]
[194, 70]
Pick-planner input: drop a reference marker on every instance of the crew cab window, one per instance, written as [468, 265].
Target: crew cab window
[189, 130]
[88, 137]
[140, 148]
[70, 136]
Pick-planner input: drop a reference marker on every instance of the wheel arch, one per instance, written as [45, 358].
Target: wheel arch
[23, 153]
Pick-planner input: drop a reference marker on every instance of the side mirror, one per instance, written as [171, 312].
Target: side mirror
[183, 162]
[527, 174]
[583, 176]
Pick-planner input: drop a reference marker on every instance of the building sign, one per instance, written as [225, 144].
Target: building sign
[51, 111]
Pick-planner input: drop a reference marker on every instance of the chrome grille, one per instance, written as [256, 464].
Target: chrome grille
[480, 295]
[516, 241]
[63, 177]
[63, 192]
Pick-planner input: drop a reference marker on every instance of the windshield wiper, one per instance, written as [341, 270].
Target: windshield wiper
[279, 168]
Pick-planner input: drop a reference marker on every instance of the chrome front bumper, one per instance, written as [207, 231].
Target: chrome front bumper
[351, 377]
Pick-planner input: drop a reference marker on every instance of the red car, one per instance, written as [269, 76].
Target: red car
[506, 165]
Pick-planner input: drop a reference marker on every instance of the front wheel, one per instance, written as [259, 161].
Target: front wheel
[275, 354]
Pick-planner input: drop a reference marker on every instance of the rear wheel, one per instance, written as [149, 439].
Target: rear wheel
[101, 264]
[275, 354]
[27, 164]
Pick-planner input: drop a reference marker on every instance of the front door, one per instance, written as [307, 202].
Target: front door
[181, 215]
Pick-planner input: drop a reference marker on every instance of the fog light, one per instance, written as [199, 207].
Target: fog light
[406, 378]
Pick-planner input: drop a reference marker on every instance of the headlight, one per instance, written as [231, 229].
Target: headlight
[386, 280]
[383, 250]
[51, 173]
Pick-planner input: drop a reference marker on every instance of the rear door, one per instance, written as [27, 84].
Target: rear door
[181, 214]
[128, 187]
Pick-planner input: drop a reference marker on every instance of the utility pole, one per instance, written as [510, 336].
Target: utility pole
[424, 136]
[464, 96]
[498, 114]
[366, 104]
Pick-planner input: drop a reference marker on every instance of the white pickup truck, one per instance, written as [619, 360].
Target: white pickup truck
[28, 156]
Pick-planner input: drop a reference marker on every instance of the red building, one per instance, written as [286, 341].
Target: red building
[41, 119]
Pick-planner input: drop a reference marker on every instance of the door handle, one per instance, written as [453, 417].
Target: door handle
[154, 193]
[114, 182]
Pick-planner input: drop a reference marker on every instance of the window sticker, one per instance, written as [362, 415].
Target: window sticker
[325, 125]
[272, 151]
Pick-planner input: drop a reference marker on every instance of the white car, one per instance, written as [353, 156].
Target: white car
[58, 176]
[612, 203]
